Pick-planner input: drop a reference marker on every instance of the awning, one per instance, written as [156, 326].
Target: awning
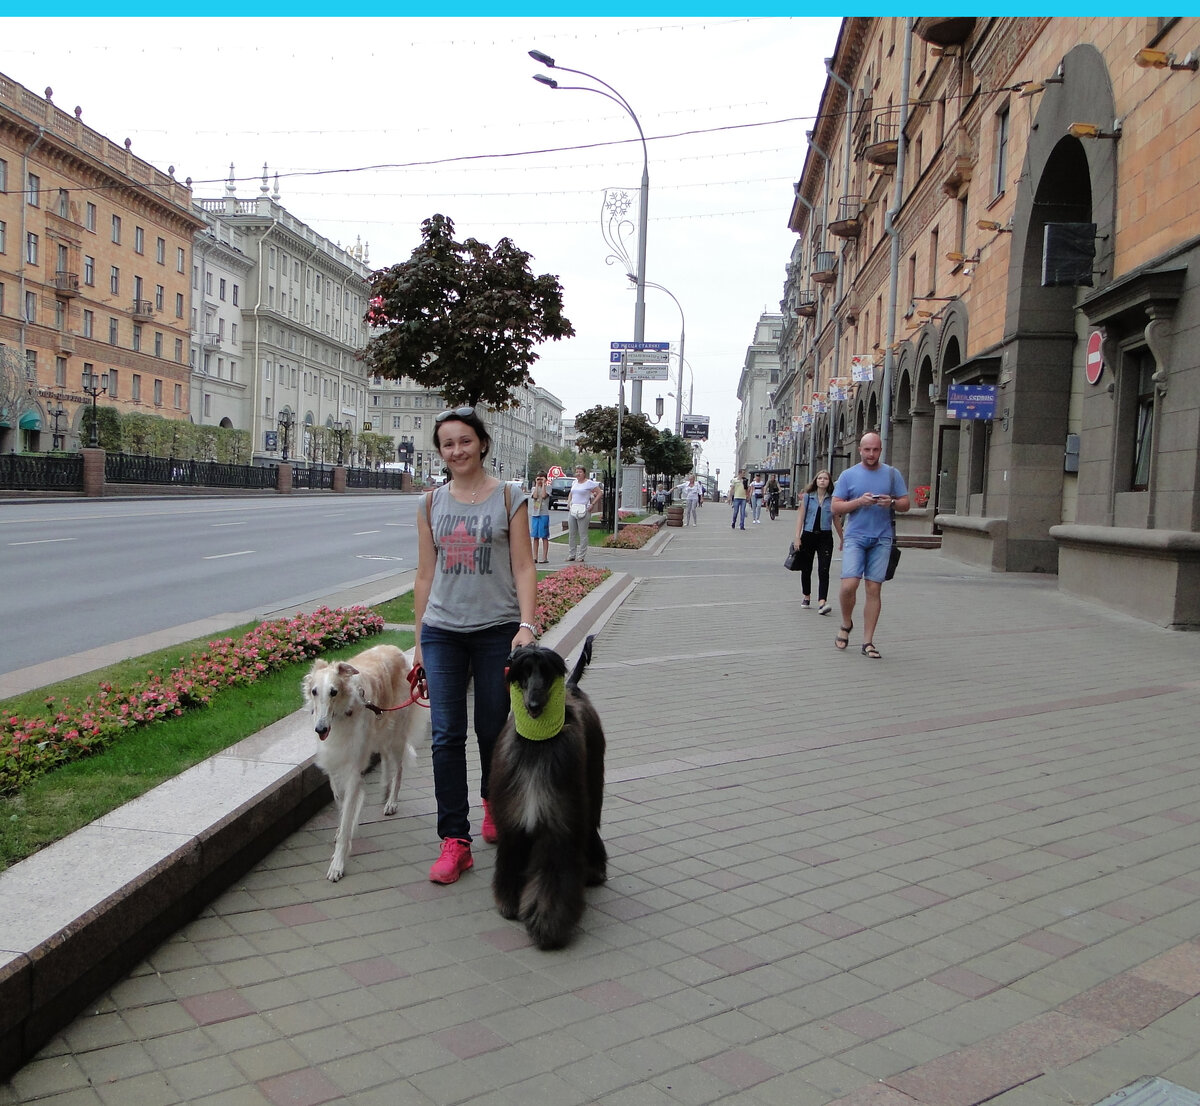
[31, 421]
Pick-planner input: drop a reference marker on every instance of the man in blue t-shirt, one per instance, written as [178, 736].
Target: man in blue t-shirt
[866, 494]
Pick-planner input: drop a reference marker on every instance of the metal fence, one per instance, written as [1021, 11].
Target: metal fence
[373, 478]
[39, 472]
[126, 468]
[312, 478]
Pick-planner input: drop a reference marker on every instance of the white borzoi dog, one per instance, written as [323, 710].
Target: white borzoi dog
[349, 701]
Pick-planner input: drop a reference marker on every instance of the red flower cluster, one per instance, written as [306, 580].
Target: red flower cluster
[630, 537]
[562, 590]
[30, 747]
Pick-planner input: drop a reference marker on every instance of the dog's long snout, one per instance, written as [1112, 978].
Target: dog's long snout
[322, 729]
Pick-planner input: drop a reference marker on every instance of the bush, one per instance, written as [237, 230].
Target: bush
[630, 537]
[562, 590]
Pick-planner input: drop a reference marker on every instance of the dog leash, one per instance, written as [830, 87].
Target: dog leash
[419, 696]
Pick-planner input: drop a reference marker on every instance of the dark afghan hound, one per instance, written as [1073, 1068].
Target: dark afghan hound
[546, 790]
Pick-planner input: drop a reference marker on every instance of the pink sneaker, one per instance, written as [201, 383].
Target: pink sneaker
[488, 830]
[454, 860]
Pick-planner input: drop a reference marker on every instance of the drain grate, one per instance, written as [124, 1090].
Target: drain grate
[1152, 1091]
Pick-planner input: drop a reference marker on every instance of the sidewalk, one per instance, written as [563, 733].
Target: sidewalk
[964, 873]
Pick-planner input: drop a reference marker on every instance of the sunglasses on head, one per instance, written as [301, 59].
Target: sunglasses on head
[454, 413]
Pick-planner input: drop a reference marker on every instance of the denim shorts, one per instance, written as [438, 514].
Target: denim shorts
[539, 526]
[868, 560]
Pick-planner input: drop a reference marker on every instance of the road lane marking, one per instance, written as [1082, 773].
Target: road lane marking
[41, 541]
[364, 533]
[218, 556]
[218, 525]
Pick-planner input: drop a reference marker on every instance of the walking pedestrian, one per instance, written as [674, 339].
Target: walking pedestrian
[867, 494]
[815, 525]
[757, 487]
[582, 498]
[737, 497]
[539, 519]
[474, 599]
[693, 494]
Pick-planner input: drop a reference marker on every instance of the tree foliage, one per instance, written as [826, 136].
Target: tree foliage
[597, 430]
[462, 317]
[670, 456]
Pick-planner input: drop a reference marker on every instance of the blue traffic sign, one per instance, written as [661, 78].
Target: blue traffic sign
[639, 345]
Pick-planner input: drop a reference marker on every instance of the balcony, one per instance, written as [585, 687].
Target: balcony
[66, 284]
[143, 310]
[210, 342]
[940, 30]
[824, 267]
[806, 304]
[884, 145]
[848, 221]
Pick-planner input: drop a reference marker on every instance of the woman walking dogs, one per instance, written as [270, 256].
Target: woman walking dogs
[474, 598]
[866, 494]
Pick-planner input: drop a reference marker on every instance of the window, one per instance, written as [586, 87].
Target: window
[221, 288]
[89, 270]
[158, 343]
[113, 332]
[31, 307]
[179, 305]
[137, 388]
[60, 372]
[139, 240]
[116, 229]
[60, 314]
[1001, 175]
[395, 422]
[137, 288]
[137, 337]
[178, 396]
[207, 405]
[33, 190]
[160, 251]
[113, 389]
[64, 203]
[208, 283]
[235, 295]
[3, 175]
[233, 332]
[89, 323]
[933, 261]
[180, 261]
[31, 248]
[179, 351]
[1143, 423]
[89, 217]
[416, 422]
[1, 299]
[160, 295]
[114, 280]
[3, 225]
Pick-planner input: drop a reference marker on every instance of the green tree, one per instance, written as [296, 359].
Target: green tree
[668, 457]
[462, 317]
[108, 423]
[375, 449]
[597, 429]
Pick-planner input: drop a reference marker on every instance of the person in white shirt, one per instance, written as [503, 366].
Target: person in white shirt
[693, 493]
[581, 502]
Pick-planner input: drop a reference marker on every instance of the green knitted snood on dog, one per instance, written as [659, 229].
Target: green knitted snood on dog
[552, 718]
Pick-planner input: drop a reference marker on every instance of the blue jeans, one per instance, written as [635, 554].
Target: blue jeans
[756, 507]
[450, 658]
[739, 513]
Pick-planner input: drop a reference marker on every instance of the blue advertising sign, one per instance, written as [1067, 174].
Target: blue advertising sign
[971, 401]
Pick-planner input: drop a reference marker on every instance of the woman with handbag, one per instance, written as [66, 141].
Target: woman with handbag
[581, 501]
[815, 524]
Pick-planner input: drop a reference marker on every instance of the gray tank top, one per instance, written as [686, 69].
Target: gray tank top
[473, 586]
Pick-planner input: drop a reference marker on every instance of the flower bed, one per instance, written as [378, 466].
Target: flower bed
[633, 536]
[30, 747]
[562, 590]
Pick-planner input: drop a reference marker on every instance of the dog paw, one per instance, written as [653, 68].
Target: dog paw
[508, 910]
[391, 808]
[335, 872]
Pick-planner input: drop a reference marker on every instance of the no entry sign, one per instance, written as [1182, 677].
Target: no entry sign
[1094, 365]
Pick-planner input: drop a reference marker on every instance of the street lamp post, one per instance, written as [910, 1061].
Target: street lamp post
[94, 386]
[682, 337]
[639, 310]
[286, 422]
[339, 430]
[56, 413]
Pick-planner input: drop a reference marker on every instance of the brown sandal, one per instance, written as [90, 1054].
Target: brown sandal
[869, 650]
[843, 637]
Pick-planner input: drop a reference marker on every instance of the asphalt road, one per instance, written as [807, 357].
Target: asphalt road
[84, 573]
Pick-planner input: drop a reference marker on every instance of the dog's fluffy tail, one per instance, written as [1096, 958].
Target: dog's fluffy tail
[585, 658]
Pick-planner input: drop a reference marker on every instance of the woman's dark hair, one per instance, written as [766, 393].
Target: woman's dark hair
[812, 487]
[474, 422]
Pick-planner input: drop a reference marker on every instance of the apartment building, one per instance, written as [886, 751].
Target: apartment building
[293, 366]
[1007, 207]
[756, 435]
[95, 252]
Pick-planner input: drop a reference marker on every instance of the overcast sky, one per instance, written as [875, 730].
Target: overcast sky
[375, 124]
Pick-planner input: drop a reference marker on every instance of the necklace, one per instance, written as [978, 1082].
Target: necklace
[477, 490]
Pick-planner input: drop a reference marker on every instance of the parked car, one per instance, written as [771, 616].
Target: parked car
[560, 490]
